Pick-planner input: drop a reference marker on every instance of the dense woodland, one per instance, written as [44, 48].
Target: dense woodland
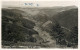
[18, 25]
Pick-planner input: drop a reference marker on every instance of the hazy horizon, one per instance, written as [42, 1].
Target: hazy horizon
[38, 3]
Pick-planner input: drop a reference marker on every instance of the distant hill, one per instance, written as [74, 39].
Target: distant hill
[68, 18]
[49, 11]
[43, 13]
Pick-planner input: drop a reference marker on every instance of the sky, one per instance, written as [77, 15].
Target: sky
[37, 3]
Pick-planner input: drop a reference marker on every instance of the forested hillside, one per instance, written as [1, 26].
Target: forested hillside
[15, 27]
[48, 27]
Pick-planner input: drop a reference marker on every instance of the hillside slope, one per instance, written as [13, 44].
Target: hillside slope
[67, 18]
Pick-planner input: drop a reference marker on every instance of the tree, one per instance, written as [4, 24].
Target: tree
[59, 36]
[74, 35]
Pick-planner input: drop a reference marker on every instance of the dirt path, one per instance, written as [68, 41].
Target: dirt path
[46, 37]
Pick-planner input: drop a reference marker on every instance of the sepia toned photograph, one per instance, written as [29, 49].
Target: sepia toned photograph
[39, 24]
